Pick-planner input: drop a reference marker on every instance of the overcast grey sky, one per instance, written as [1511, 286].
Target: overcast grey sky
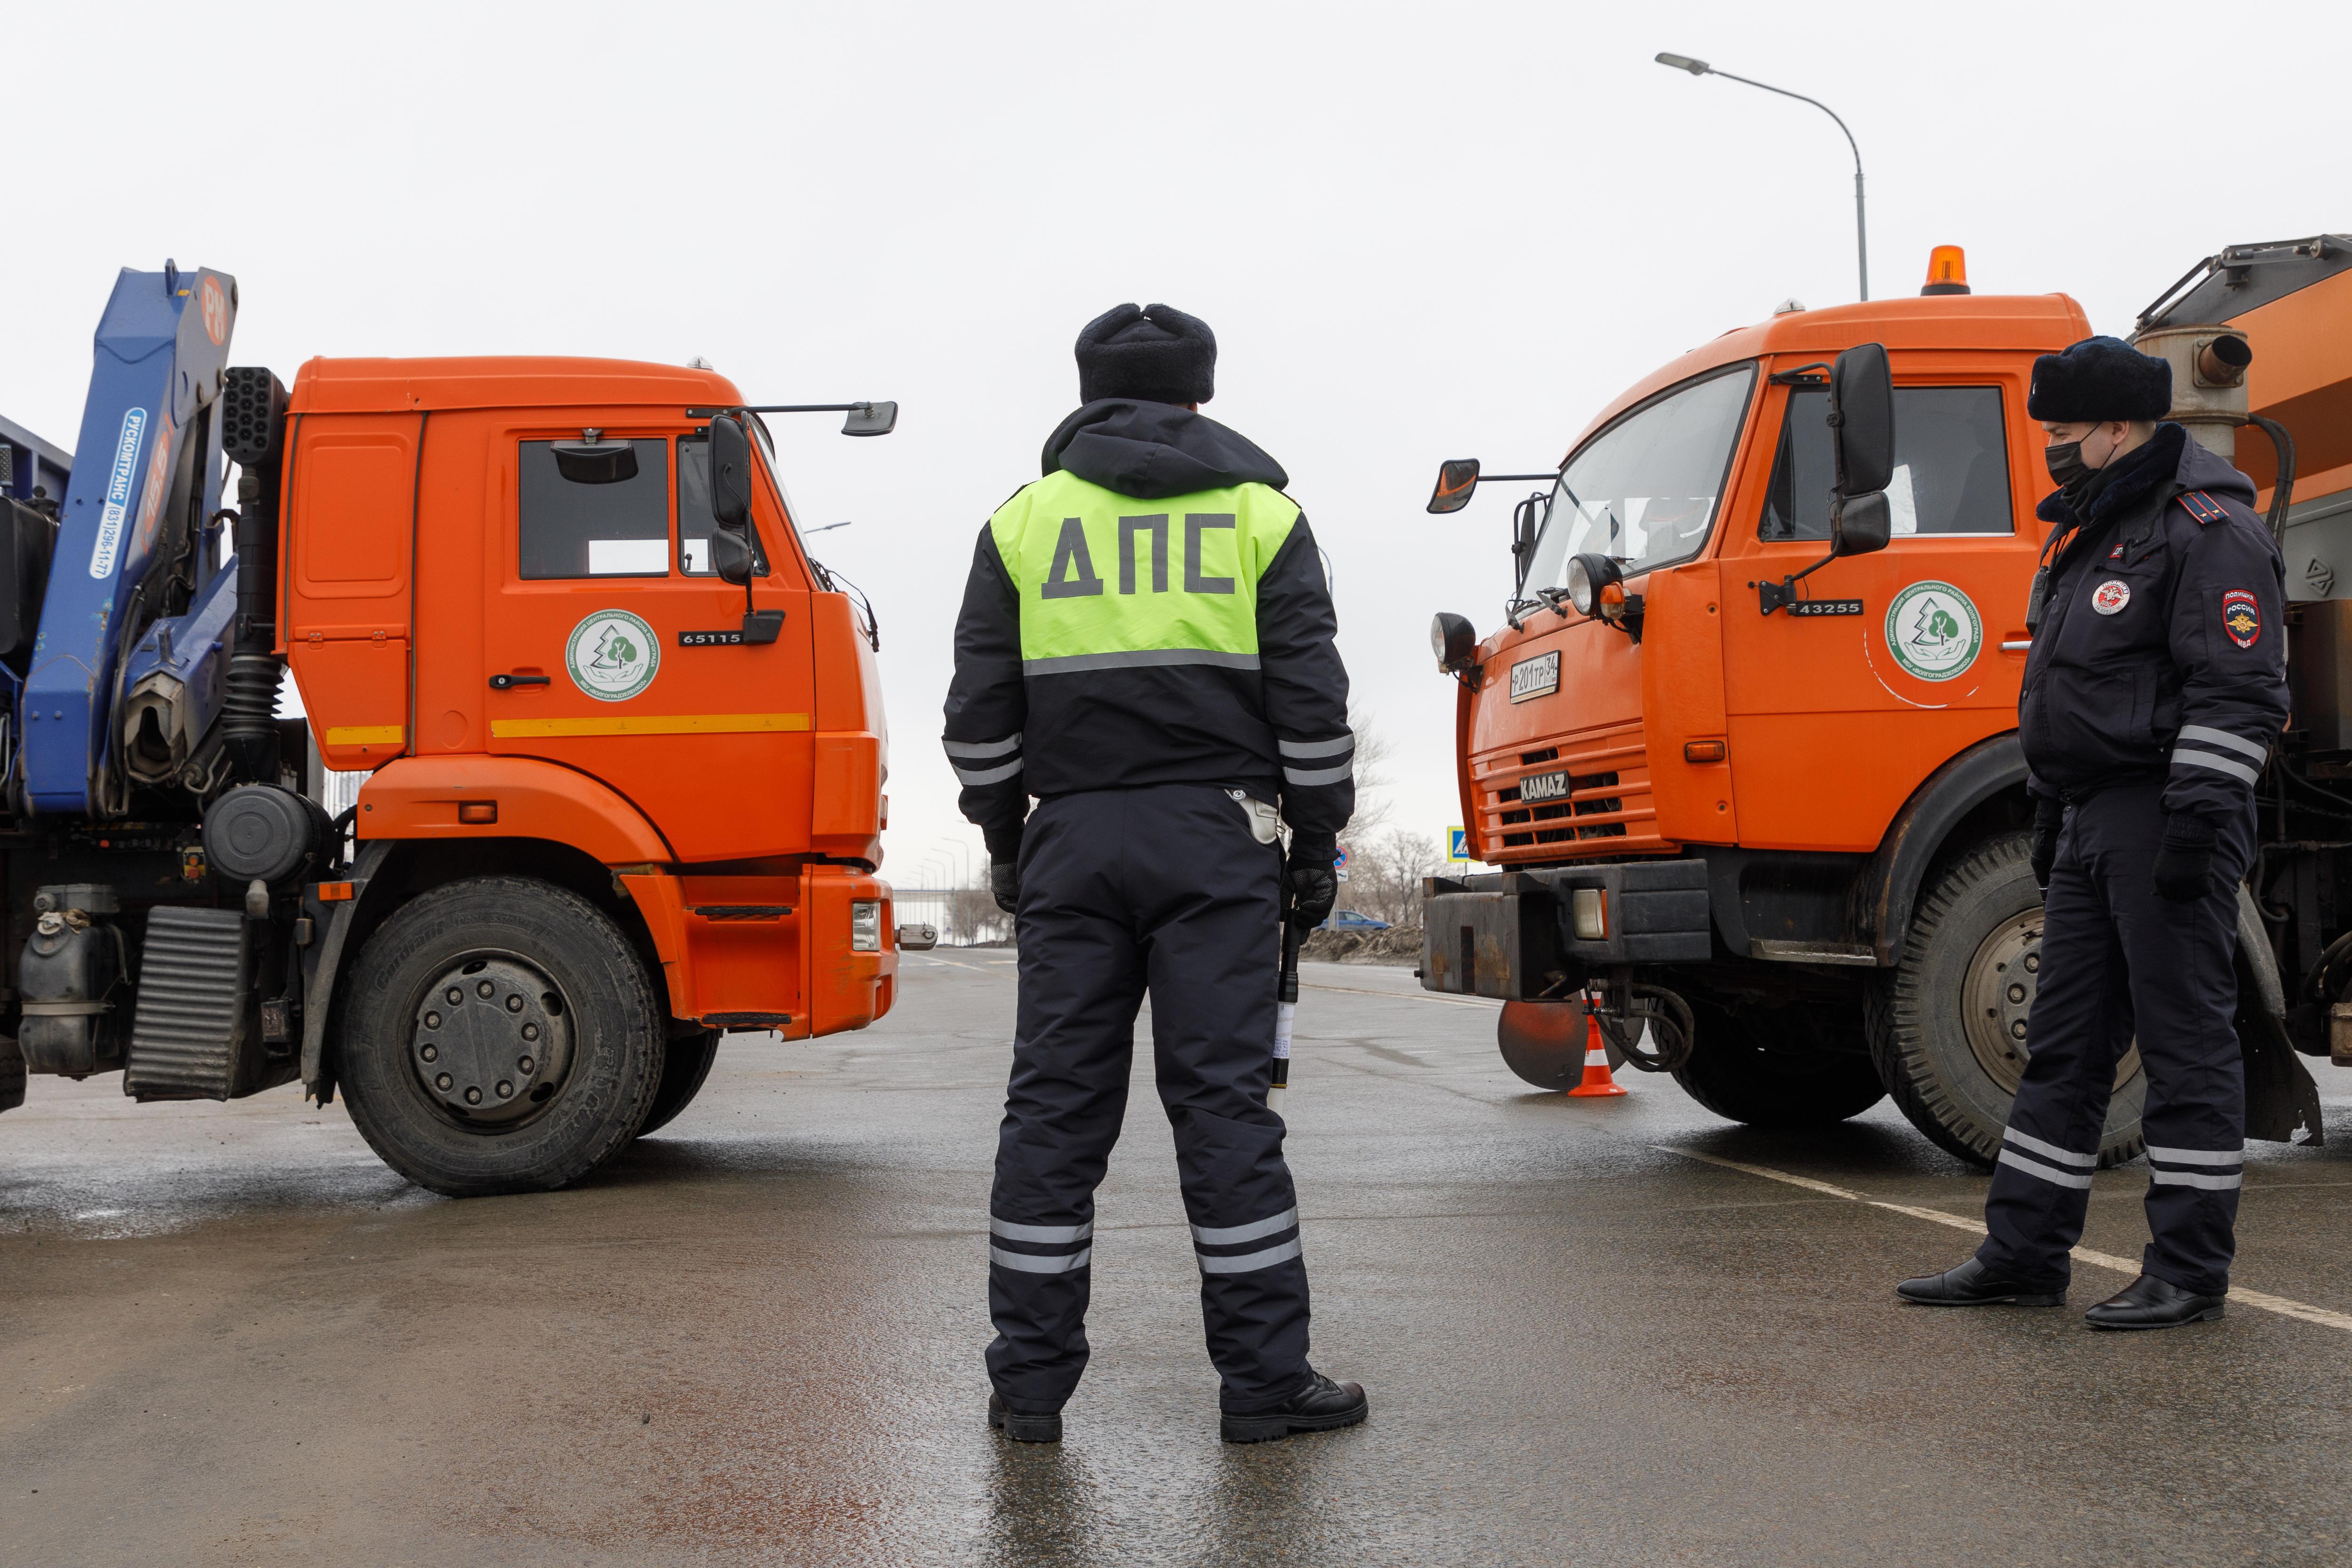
[1418, 232]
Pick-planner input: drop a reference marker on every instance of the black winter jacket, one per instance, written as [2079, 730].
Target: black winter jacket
[2162, 650]
[1273, 721]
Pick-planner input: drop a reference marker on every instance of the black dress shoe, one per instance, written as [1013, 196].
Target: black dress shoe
[1320, 1406]
[2148, 1303]
[1974, 1285]
[1021, 1425]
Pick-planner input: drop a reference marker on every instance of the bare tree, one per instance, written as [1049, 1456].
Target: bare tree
[1384, 877]
[1373, 750]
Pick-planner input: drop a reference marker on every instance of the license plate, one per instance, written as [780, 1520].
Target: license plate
[1536, 677]
[1544, 787]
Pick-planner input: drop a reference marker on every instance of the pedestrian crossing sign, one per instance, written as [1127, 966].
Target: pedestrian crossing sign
[1457, 844]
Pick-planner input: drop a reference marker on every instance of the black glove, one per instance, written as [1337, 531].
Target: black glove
[2184, 862]
[1004, 881]
[2049, 816]
[1310, 880]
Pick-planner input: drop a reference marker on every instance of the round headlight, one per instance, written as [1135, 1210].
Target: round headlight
[1582, 591]
[1455, 641]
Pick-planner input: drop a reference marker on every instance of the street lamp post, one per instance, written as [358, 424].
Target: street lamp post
[1861, 227]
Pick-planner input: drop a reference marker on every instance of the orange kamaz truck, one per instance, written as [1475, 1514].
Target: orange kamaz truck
[622, 737]
[1744, 745]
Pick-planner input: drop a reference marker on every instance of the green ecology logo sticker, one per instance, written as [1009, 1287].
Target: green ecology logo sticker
[1932, 630]
[612, 655]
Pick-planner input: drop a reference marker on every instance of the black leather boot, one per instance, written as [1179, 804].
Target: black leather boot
[1974, 1285]
[1320, 1406]
[1021, 1426]
[2148, 1303]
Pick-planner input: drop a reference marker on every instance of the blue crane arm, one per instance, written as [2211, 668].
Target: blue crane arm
[146, 456]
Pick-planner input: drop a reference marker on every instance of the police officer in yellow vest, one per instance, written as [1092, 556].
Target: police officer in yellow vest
[1146, 647]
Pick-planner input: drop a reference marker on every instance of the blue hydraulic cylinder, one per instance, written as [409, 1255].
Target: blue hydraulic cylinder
[162, 353]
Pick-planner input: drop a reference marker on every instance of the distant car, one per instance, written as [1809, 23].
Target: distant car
[1349, 920]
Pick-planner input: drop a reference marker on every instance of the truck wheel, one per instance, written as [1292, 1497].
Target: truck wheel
[1544, 1043]
[1947, 1024]
[1779, 1067]
[685, 1066]
[502, 1036]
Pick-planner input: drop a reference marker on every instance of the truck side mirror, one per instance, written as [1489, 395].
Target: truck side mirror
[1862, 418]
[871, 419]
[1456, 479]
[730, 481]
[730, 554]
[1861, 524]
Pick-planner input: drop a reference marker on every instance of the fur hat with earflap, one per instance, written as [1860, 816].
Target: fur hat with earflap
[2097, 380]
[1155, 354]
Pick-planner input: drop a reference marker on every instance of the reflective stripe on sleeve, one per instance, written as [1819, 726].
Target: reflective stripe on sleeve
[2051, 1173]
[1064, 1233]
[1305, 748]
[2236, 1156]
[974, 750]
[2050, 1151]
[1205, 1235]
[1140, 658]
[988, 775]
[2191, 1178]
[2181, 754]
[1318, 774]
[1027, 1263]
[1249, 1262]
[2205, 735]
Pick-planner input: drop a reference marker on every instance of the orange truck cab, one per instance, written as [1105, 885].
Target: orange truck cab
[500, 597]
[622, 740]
[1744, 748]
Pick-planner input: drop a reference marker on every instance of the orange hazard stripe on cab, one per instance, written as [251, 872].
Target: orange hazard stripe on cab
[649, 724]
[366, 734]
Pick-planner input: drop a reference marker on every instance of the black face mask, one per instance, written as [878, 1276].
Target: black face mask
[2065, 461]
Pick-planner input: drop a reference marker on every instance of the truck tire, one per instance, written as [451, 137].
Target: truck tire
[685, 1066]
[501, 1035]
[1948, 1023]
[1780, 1067]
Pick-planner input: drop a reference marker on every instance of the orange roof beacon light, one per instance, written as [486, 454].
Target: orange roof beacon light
[1948, 271]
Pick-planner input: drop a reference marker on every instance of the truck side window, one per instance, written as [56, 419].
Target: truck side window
[569, 529]
[1951, 465]
[694, 519]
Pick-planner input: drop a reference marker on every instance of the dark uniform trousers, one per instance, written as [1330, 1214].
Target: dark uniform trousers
[2117, 958]
[1162, 889]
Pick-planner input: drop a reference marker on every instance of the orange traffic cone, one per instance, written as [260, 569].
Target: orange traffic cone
[1597, 1084]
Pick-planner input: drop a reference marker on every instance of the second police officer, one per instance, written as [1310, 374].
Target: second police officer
[2155, 687]
[1146, 646]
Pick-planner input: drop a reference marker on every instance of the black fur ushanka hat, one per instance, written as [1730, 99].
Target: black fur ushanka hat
[1155, 354]
[2099, 379]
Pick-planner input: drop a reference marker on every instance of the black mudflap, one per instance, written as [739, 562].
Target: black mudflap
[192, 1028]
[12, 1074]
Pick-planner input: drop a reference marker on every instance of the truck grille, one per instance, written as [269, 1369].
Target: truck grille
[1608, 799]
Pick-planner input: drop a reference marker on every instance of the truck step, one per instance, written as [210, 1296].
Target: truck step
[190, 1025]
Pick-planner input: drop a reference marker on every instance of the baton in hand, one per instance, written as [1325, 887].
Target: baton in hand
[1284, 1010]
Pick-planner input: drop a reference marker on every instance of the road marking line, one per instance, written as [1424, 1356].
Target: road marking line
[2284, 1305]
[1402, 996]
[951, 964]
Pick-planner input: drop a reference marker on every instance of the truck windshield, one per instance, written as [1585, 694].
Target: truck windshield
[1645, 489]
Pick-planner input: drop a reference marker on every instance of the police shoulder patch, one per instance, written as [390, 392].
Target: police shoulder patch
[2241, 616]
[2202, 507]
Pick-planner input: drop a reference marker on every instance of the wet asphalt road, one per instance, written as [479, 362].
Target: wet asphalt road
[233, 1337]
